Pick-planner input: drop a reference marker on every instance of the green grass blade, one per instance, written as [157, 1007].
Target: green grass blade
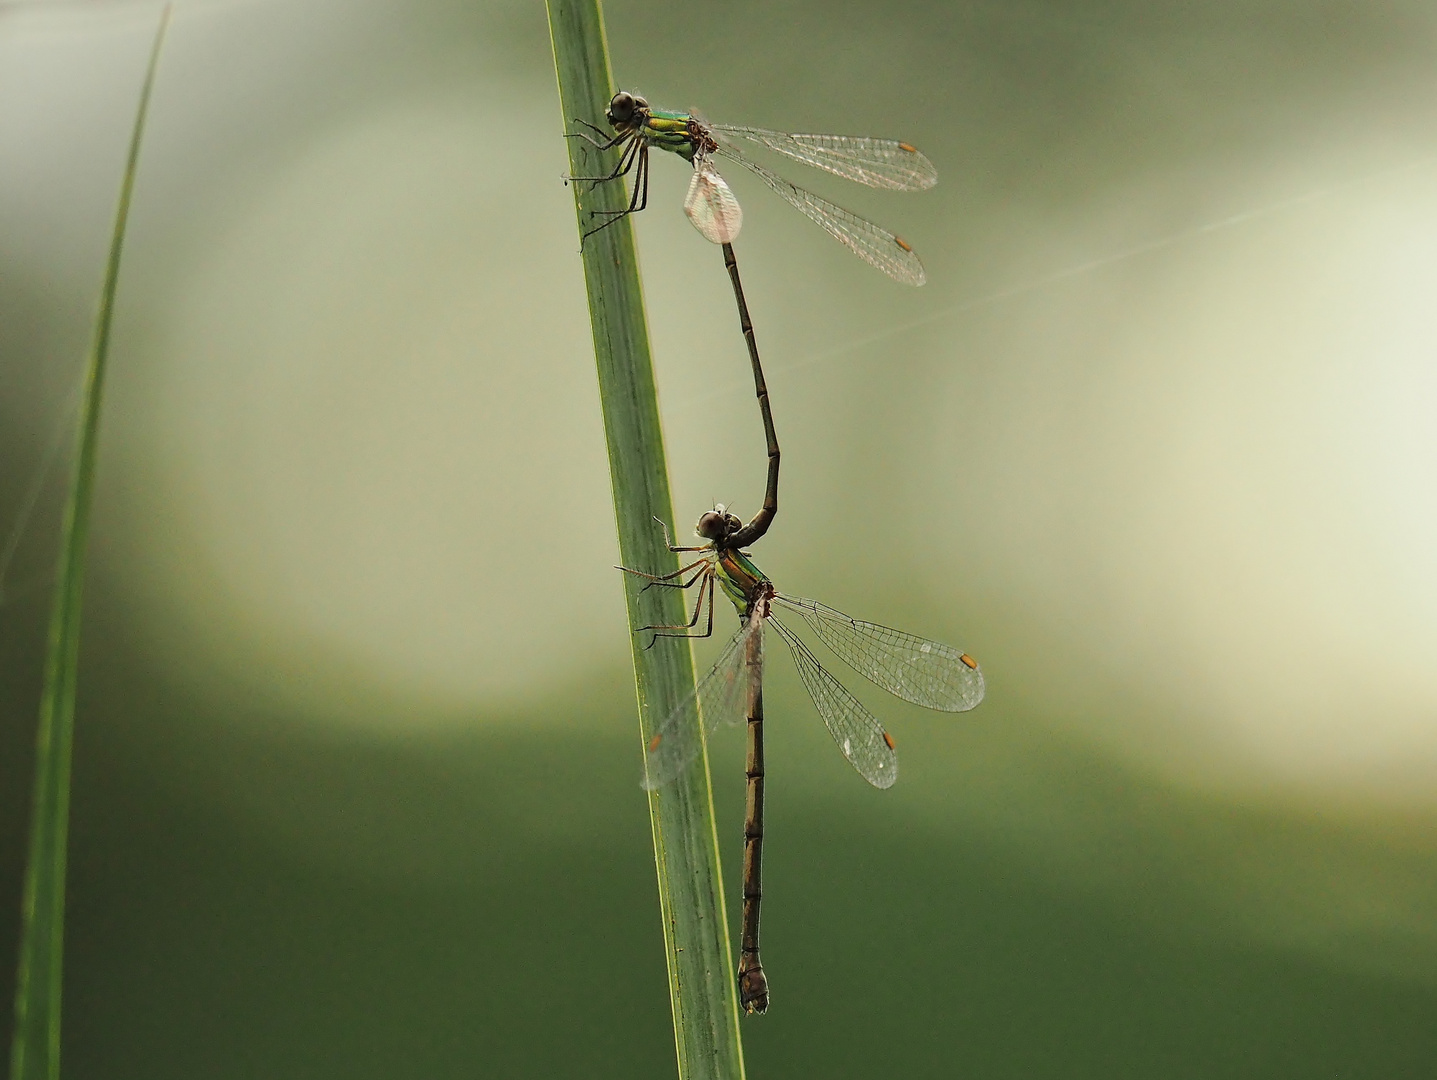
[35, 1053]
[701, 984]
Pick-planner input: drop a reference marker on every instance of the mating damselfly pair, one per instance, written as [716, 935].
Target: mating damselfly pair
[914, 669]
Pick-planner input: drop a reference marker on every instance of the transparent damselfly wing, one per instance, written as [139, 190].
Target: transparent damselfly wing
[711, 205]
[871, 243]
[720, 698]
[927, 673]
[860, 737]
[879, 163]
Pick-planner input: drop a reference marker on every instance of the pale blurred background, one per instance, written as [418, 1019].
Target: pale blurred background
[356, 777]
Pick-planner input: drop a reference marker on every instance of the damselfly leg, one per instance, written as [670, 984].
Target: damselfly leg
[635, 153]
[609, 141]
[667, 580]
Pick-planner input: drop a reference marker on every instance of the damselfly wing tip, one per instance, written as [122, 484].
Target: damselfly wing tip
[653, 776]
[904, 268]
[923, 174]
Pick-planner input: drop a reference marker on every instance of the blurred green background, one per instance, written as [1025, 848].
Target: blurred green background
[356, 767]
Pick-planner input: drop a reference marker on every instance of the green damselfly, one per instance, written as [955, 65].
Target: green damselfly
[711, 205]
[915, 669]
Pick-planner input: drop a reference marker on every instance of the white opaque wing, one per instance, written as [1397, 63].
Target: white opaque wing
[879, 163]
[711, 206]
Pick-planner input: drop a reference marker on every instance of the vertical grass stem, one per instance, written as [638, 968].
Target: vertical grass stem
[701, 984]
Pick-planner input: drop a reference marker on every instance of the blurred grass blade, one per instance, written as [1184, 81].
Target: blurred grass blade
[701, 984]
[35, 1053]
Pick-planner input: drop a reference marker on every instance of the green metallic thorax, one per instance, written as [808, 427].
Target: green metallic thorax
[739, 578]
[669, 131]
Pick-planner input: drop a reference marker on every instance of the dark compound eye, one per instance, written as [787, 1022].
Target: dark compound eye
[712, 526]
[621, 107]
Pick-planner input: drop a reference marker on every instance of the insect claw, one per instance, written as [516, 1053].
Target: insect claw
[663, 525]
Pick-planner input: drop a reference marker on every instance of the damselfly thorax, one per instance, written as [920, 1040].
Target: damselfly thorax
[680, 133]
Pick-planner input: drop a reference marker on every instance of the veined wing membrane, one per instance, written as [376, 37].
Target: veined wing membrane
[927, 673]
[711, 206]
[879, 163]
[718, 698]
[874, 245]
[858, 734]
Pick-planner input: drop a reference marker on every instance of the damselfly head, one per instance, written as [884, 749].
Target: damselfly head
[712, 525]
[623, 107]
[717, 524]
